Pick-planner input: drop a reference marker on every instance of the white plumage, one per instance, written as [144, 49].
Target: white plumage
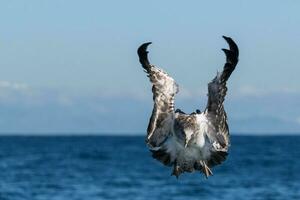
[188, 142]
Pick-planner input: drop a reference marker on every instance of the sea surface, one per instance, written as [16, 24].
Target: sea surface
[119, 167]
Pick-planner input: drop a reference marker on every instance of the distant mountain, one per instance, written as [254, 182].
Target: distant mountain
[117, 114]
[264, 125]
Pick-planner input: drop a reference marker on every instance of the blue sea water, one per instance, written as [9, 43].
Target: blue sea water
[103, 167]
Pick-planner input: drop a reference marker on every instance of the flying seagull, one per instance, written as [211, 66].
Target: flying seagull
[188, 142]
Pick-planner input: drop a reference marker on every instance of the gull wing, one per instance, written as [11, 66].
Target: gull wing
[164, 89]
[216, 94]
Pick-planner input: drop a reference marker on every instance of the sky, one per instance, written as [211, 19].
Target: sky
[71, 66]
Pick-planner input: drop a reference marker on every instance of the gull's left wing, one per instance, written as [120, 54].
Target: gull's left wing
[164, 89]
[216, 94]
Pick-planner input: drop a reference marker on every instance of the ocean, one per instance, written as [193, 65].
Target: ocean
[120, 167]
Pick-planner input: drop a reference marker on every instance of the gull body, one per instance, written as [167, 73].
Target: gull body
[188, 142]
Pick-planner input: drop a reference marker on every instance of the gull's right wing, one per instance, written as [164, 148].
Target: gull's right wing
[164, 89]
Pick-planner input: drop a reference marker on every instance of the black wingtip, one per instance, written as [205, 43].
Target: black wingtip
[142, 53]
[225, 37]
[228, 53]
[143, 48]
[232, 45]
[231, 57]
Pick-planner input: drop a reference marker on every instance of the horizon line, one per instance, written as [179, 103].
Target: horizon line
[132, 134]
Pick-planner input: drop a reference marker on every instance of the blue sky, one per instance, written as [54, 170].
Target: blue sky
[71, 66]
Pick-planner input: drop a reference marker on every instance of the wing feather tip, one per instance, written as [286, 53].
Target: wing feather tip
[143, 55]
[143, 48]
[232, 45]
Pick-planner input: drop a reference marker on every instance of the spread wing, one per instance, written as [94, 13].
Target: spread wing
[216, 94]
[164, 89]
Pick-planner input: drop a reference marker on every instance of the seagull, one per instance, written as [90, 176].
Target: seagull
[188, 142]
